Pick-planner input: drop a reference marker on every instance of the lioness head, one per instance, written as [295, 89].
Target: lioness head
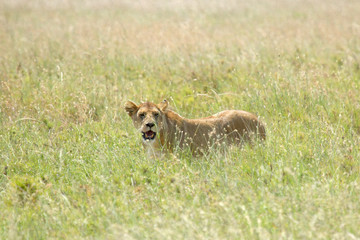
[147, 117]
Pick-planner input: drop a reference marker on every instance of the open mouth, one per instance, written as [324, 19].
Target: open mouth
[149, 135]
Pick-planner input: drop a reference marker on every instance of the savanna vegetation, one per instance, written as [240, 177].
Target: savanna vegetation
[72, 165]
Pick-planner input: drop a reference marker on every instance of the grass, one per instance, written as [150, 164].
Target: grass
[71, 163]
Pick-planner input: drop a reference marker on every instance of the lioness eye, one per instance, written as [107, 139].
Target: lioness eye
[142, 115]
[156, 115]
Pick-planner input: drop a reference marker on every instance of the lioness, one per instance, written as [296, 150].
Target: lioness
[162, 128]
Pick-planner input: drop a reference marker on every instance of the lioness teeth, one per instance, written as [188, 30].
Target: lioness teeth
[149, 135]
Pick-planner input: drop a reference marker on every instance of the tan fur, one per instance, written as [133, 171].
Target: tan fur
[172, 130]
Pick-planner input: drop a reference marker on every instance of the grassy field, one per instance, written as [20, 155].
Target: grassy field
[72, 165]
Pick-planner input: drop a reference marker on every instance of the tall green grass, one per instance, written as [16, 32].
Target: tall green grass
[71, 163]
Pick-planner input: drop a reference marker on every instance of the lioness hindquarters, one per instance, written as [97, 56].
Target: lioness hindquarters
[242, 126]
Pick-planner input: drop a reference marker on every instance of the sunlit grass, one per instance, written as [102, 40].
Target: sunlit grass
[72, 165]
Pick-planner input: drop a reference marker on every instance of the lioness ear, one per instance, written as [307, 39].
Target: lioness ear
[163, 105]
[130, 107]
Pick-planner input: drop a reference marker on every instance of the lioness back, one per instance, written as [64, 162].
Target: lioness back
[237, 123]
[229, 126]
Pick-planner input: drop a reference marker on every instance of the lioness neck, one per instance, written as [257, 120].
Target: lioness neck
[174, 118]
[175, 124]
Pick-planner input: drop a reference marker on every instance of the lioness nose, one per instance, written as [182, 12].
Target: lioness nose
[150, 125]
